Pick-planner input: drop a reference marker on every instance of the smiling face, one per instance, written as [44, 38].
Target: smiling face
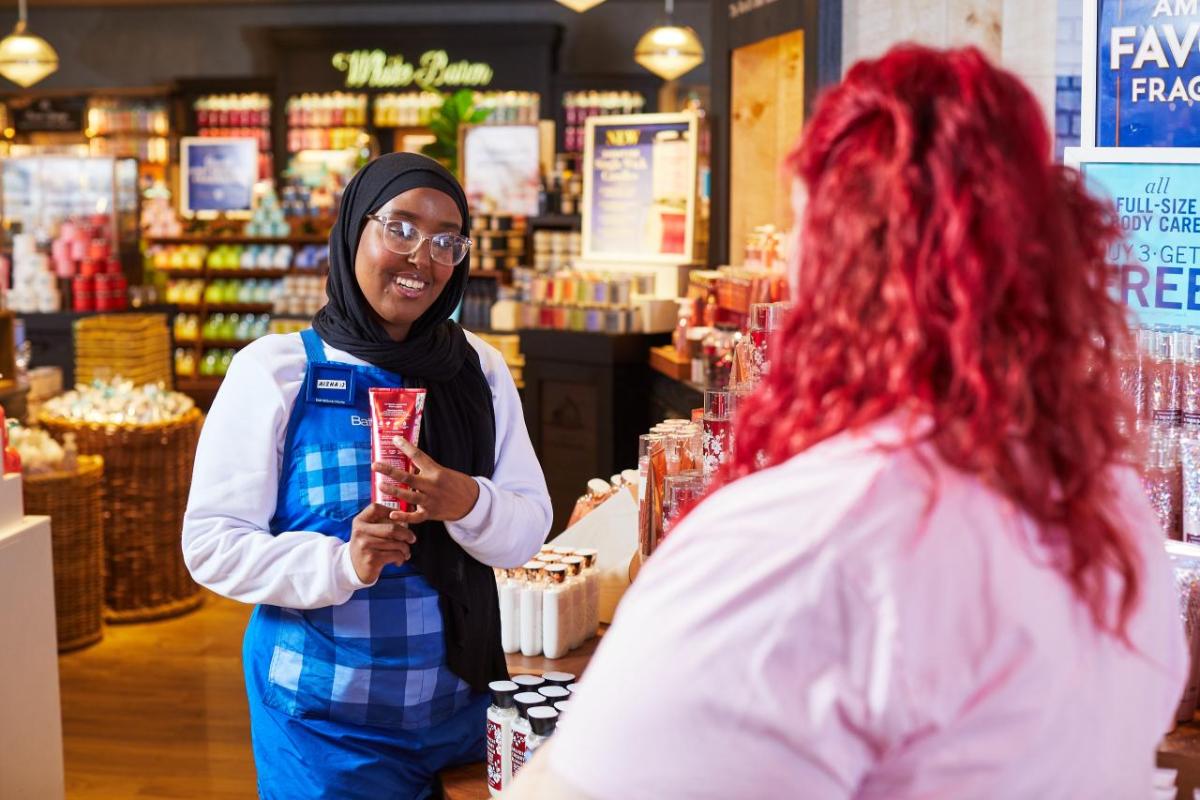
[400, 288]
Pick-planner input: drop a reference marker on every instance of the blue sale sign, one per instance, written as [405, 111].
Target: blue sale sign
[219, 174]
[1157, 268]
[1148, 73]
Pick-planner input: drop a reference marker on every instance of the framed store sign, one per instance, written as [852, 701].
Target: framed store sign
[218, 175]
[501, 168]
[640, 188]
[1156, 191]
[50, 115]
[1141, 73]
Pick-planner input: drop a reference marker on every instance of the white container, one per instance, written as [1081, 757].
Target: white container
[557, 621]
[591, 575]
[508, 587]
[521, 731]
[576, 600]
[531, 610]
[500, 718]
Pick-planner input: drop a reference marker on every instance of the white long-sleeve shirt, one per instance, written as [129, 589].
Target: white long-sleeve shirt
[227, 544]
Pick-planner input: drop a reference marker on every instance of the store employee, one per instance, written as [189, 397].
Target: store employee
[375, 632]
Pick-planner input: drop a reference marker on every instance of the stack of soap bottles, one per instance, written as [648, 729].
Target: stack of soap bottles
[524, 713]
[551, 605]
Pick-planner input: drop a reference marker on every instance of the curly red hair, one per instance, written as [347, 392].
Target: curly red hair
[949, 268]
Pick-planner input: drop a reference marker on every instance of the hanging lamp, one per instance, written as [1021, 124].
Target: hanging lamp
[669, 50]
[580, 5]
[25, 58]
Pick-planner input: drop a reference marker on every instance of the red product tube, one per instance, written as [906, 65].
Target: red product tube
[394, 412]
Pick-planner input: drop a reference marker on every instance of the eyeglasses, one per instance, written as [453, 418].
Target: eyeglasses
[402, 238]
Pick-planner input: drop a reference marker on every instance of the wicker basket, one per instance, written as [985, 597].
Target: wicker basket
[131, 346]
[72, 501]
[147, 473]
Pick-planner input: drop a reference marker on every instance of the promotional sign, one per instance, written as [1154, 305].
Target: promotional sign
[639, 188]
[502, 169]
[1156, 269]
[218, 174]
[1141, 73]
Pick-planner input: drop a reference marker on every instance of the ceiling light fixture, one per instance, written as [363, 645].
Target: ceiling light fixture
[580, 5]
[26, 58]
[669, 50]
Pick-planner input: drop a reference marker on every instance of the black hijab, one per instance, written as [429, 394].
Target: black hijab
[459, 428]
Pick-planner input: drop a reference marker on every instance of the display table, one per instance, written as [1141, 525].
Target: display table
[31, 755]
[470, 782]
[1180, 750]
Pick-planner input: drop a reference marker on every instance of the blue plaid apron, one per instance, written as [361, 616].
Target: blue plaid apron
[353, 700]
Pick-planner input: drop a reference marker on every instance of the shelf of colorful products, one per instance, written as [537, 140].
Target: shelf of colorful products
[130, 128]
[579, 106]
[231, 294]
[334, 121]
[238, 115]
[417, 109]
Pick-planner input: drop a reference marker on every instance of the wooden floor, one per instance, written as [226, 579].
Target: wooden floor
[158, 710]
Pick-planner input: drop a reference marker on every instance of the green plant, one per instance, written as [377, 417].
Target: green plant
[458, 109]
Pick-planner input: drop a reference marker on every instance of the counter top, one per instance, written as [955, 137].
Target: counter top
[470, 782]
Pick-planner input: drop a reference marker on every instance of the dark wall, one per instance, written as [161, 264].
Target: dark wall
[139, 46]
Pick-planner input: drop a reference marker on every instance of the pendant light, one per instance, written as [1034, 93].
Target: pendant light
[25, 58]
[669, 50]
[580, 5]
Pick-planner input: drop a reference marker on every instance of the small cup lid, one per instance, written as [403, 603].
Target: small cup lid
[557, 573]
[561, 706]
[559, 678]
[553, 693]
[503, 693]
[542, 720]
[527, 700]
[574, 564]
[528, 683]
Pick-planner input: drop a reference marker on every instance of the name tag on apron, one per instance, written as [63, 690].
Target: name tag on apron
[330, 384]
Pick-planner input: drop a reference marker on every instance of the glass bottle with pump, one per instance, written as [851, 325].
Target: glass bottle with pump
[500, 717]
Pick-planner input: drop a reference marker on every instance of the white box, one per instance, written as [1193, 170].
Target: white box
[31, 752]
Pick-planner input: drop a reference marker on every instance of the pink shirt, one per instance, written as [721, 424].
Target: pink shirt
[810, 633]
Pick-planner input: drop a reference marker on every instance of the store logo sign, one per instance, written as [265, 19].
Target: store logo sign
[378, 70]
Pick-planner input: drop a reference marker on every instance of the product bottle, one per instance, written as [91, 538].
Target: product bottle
[563, 679]
[561, 707]
[531, 610]
[591, 573]
[554, 694]
[508, 586]
[529, 683]
[500, 718]
[576, 600]
[542, 720]
[526, 701]
[556, 609]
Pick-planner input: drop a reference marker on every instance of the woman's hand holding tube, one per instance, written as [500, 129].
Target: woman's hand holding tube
[376, 541]
[435, 492]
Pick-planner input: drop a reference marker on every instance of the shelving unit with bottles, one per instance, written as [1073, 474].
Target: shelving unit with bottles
[131, 127]
[329, 121]
[237, 114]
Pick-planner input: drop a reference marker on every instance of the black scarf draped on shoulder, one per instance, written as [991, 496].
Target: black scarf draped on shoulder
[459, 428]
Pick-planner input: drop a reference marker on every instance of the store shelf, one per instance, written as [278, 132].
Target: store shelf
[226, 344]
[250, 273]
[201, 383]
[182, 273]
[300, 239]
[566, 222]
[238, 308]
[488, 274]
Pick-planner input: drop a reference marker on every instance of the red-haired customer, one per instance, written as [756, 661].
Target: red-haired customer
[927, 573]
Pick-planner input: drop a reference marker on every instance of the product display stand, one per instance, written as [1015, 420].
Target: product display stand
[31, 755]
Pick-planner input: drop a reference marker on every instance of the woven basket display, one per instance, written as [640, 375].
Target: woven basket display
[131, 346]
[72, 500]
[147, 473]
